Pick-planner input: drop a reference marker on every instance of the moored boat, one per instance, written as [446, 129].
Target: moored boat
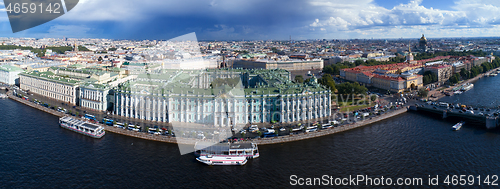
[218, 160]
[82, 127]
[3, 96]
[467, 87]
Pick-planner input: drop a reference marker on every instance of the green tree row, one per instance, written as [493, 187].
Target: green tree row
[427, 55]
[351, 88]
[429, 77]
[474, 71]
[327, 81]
[334, 69]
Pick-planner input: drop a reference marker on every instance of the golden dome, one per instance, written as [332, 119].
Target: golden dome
[423, 38]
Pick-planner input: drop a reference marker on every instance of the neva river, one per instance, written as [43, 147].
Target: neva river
[37, 153]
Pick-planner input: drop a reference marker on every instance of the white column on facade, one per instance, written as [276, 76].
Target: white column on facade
[164, 110]
[245, 110]
[126, 104]
[136, 108]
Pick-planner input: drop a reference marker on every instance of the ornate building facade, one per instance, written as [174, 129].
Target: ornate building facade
[221, 97]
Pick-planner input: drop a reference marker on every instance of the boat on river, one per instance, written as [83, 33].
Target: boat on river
[467, 87]
[82, 127]
[243, 149]
[218, 160]
[225, 153]
[457, 126]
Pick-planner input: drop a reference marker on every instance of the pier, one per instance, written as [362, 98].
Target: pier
[481, 116]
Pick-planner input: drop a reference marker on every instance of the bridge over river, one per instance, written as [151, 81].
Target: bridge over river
[481, 116]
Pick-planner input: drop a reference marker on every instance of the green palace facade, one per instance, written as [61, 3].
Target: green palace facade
[223, 98]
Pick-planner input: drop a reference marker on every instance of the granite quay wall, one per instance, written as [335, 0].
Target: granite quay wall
[260, 141]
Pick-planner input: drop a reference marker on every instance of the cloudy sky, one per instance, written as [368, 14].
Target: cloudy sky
[270, 19]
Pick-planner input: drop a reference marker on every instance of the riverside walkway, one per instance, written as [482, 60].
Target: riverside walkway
[260, 141]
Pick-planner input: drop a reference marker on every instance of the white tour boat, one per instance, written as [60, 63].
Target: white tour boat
[219, 160]
[467, 87]
[243, 149]
[82, 127]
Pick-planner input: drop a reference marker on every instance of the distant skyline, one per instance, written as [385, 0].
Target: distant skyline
[270, 20]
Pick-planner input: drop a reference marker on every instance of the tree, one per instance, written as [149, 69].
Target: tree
[299, 79]
[114, 122]
[275, 50]
[373, 97]
[358, 62]
[82, 48]
[351, 88]
[455, 78]
[423, 93]
[464, 73]
[99, 59]
[429, 77]
[112, 49]
[327, 81]
[243, 135]
[328, 69]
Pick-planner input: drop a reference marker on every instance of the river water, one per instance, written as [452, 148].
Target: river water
[37, 153]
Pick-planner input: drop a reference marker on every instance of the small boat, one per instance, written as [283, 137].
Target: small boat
[3, 96]
[218, 160]
[457, 126]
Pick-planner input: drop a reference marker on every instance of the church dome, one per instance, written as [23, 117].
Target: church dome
[423, 38]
